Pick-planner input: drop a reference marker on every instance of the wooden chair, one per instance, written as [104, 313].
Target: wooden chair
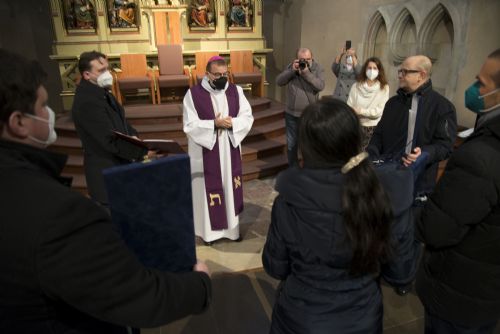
[243, 72]
[134, 75]
[201, 60]
[172, 73]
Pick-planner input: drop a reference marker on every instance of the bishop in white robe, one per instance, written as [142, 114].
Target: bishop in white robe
[204, 137]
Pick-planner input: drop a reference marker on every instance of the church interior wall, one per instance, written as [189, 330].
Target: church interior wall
[25, 28]
[456, 34]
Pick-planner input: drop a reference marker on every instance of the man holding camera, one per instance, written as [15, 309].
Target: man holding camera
[304, 78]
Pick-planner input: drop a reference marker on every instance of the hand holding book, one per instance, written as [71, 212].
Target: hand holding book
[160, 146]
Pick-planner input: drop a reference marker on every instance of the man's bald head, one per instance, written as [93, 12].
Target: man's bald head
[422, 63]
[415, 71]
[304, 53]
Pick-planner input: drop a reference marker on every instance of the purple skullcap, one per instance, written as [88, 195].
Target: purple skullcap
[214, 58]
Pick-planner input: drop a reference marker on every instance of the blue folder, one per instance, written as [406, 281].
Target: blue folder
[151, 205]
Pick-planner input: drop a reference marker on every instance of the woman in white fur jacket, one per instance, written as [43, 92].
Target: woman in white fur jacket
[369, 95]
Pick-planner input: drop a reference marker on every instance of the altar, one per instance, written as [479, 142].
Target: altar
[116, 27]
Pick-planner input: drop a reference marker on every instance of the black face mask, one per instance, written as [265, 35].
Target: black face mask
[220, 83]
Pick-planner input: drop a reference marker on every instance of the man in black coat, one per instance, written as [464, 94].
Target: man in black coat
[97, 114]
[459, 277]
[64, 268]
[416, 123]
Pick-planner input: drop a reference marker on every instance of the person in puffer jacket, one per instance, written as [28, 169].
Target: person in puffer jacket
[338, 225]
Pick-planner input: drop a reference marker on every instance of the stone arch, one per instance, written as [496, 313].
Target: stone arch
[403, 37]
[376, 35]
[437, 27]
[436, 40]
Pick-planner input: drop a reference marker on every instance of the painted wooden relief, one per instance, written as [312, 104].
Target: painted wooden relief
[123, 15]
[240, 15]
[201, 15]
[79, 16]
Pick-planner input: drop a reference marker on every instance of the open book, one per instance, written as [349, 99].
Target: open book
[160, 145]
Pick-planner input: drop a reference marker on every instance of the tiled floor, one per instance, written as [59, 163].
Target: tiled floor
[243, 295]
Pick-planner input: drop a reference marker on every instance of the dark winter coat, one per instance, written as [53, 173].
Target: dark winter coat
[459, 277]
[64, 268]
[302, 90]
[435, 131]
[307, 248]
[96, 114]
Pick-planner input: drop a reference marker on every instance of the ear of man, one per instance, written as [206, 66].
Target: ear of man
[17, 124]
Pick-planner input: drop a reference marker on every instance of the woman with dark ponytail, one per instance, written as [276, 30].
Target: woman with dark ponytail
[337, 226]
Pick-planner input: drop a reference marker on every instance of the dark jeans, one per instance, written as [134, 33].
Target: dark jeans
[435, 325]
[292, 134]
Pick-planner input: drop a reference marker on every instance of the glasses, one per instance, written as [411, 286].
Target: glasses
[404, 71]
[219, 75]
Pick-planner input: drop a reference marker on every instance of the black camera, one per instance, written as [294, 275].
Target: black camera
[303, 64]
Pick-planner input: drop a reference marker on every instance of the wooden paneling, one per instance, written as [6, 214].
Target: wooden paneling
[241, 61]
[161, 32]
[174, 24]
[133, 65]
[168, 28]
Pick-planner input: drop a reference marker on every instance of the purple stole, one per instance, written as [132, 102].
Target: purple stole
[211, 159]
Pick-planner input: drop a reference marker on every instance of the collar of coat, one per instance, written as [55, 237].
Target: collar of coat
[491, 125]
[321, 188]
[93, 88]
[424, 89]
[22, 156]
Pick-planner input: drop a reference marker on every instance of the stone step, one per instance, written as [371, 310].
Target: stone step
[251, 170]
[263, 150]
[266, 131]
[250, 152]
[169, 128]
[264, 167]
[260, 149]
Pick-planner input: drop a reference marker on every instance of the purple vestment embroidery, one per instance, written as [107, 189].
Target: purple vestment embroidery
[211, 159]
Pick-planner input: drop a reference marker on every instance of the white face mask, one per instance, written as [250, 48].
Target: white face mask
[52, 132]
[105, 80]
[371, 74]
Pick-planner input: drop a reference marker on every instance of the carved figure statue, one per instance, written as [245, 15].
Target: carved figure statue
[122, 13]
[201, 15]
[80, 14]
[239, 14]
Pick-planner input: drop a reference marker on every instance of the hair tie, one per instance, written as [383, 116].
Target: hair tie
[353, 162]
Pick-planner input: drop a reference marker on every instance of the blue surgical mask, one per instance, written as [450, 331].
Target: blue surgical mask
[474, 101]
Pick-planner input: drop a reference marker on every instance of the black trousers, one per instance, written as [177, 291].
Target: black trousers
[436, 325]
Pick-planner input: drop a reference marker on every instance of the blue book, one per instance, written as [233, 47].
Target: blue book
[151, 205]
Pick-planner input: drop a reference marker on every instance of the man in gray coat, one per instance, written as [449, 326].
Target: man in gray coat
[305, 79]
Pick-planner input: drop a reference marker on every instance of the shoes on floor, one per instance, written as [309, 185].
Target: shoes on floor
[210, 243]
